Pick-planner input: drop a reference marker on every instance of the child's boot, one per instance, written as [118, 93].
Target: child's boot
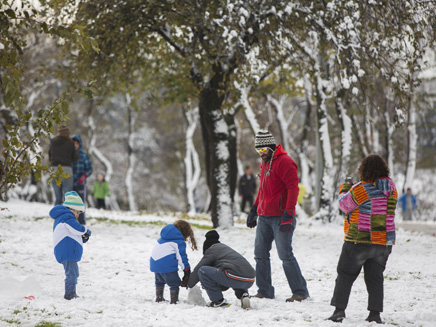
[174, 296]
[159, 294]
[70, 291]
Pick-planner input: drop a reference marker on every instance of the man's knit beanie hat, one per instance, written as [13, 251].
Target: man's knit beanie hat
[73, 201]
[264, 139]
[64, 131]
[211, 239]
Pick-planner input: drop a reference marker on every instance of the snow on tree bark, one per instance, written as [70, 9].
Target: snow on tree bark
[326, 187]
[390, 128]
[192, 161]
[131, 155]
[411, 145]
[346, 140]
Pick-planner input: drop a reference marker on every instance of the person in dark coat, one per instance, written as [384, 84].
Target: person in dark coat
[247, 188]
[62, 152]
[221, 268]
[82, 169]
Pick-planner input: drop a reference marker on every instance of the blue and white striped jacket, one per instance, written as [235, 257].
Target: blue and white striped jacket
[67, 235]
[169, 251]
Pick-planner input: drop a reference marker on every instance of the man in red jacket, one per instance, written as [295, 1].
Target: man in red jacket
[274, 214]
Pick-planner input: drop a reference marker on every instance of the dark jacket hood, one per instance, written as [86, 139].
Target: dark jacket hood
[79, 139]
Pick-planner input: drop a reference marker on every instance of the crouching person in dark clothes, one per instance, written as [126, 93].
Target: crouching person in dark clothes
[222, 268]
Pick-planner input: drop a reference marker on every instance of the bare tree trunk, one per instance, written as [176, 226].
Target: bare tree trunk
[131, 155]
[327, 171]
[281, 119]
[390, 128]
[248, 110]
[411, 142]
[346, 137]
[219, 137]
[192, 162]
[361, 139]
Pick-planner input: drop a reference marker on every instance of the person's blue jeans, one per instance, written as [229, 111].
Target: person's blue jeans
[172, 279]
[66, 185]
[81, 190]
[213, 278]
[71, 272]
[373, 258]
[268, 230]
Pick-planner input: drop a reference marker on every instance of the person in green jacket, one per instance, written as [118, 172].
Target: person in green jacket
[100, 191]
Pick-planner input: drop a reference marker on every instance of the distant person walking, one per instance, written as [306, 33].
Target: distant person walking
[82, 169]
[275, 205]
[247, 188]
[369, 227]
[408, 204]
[62, 152]
[100, 191]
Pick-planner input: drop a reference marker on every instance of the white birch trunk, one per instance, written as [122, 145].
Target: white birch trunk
[248, 111]
[345, 142]
[390, 128]
[192, 162]
[412, 143]
[225, 206]
[131, 157]
[304, 169]
[326, 187]
[283, 123]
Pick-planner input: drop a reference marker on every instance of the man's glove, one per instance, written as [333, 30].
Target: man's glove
[82, 179]
[85, 237]
[186, 274]
[286, 222]
[252, 217]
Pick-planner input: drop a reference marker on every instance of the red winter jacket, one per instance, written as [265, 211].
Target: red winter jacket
[278, 189]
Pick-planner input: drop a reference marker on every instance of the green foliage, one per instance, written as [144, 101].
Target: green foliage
[11, 321]
[21, 154]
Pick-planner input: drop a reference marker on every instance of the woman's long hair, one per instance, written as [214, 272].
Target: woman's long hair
[185, 228]
[372, 168]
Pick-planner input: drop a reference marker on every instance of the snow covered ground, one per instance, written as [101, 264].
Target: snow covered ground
[116, 287]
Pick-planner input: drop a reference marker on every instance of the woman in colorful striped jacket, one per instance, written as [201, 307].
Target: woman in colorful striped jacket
[369, 228]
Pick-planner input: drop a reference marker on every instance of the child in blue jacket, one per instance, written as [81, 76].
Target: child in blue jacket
[68, 237]
[168, 254]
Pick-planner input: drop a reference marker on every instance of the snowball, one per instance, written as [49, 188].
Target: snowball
[195, 297]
